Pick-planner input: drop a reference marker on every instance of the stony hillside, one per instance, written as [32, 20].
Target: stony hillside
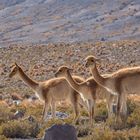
[45, 21]
[41, 61]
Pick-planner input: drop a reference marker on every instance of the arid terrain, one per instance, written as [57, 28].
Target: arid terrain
[47, 21]
[40, 62]
[40, 36]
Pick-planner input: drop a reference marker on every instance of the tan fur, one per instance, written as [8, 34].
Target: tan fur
[52, 90]
[122, 82]
[88, 89]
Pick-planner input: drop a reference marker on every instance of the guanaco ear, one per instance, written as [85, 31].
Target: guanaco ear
[12, 65]
[16, 64]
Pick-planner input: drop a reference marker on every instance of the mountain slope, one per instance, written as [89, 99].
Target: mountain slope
[44, 21]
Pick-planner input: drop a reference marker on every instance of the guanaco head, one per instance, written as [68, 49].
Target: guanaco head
[62, 71]
[91, 61]
[15, 70]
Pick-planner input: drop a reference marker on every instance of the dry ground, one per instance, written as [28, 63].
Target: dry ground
[40, 62]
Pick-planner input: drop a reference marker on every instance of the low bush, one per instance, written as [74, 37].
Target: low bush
[5, 114]
[134, 118]
[2, 137]
[101, 112]
[101, 130]
[19, 129]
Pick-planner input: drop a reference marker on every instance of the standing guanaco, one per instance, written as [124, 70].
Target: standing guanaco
[52, 90]
[122, 82]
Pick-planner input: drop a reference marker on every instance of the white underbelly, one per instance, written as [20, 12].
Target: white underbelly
[39, 96]
[82, 96]
[111, 91]
[86, 97]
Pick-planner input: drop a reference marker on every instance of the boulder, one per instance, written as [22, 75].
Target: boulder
[59, 115]
[19, 114]
[61, 132]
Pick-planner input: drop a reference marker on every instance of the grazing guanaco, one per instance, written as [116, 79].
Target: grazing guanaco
[87, 89]
[52, 90]
[122, 82]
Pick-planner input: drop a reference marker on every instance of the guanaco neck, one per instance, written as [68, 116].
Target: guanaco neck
[27, 80]
[98, 78]
[71, 81]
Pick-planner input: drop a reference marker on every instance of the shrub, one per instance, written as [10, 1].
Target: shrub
[19, 129]
[134, 118]
[101, 112]
[2, 137]
[131, 105]
[5, 114]
[83, 131]
[104, 133]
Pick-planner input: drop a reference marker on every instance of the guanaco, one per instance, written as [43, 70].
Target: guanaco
[89, 90]
[52, 90]
[122, 82]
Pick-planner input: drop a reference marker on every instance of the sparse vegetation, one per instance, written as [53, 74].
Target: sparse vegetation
[19, 129]
[42, 68]
[101, 130]
[5, 114]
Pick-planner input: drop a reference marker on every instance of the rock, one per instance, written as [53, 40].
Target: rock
[59, 115]
[27, 96]
[18, 114]
[103, 39]
[34, 98]
[61, 132]
[16, 102]
[30, 119]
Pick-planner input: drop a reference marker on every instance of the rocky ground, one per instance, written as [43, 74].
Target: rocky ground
[41, 61]
[45, 21]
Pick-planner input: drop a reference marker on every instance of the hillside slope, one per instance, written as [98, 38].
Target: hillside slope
[40, 62]
[44, 21]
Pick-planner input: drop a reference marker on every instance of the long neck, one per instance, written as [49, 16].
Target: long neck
[98, 78]
[27, 80]
[72, 83]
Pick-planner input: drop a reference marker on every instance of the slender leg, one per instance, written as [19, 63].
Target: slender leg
[108, 106]
[43, 112]
[74, 102]
[53, 109]
[123, 112]
[118, 108]
[109, 100]
[91, 111]
[76, 113]
[46, 108]
[121, 105]
[82, 102]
